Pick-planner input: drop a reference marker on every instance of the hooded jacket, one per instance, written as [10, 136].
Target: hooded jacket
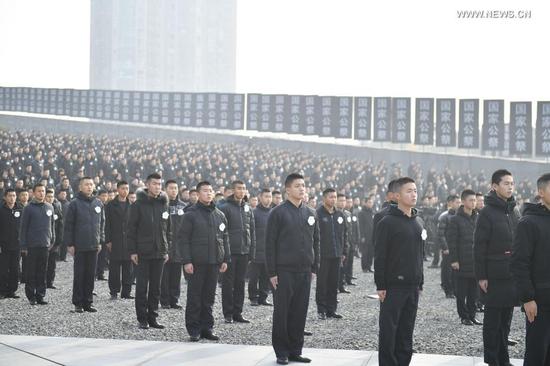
[84, 226]
[530, 264]
[149, 226]
[399, 251]
[241, 226]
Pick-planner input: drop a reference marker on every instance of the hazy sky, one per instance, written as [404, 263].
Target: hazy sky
[326, 47]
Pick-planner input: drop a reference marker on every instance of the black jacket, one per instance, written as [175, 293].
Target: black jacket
[460, 239]
[333, 233]
[530, 263]
[59, 224]
[261, 214]
[84, 223]
[116, 227]
[379, 216]
[10, 221]
[37, 226]
[366, 217]
[176, 210]
[292, 239]
[352, 230]
[240, 222]
[203, 237]
[442, 223]
[149, 226]
[399, 251]
[494, 237]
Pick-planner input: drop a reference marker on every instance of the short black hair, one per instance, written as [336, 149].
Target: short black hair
[452, 197]
[327, 191]
[400, 182]
[497, 175]
[465, 193]
[291, 178]
[121, 183]
[37, 185]
[479, 194]
[391, 186]
[102, 191]
[84, 178]
[9, 190]
[265, 190]
[170, 181]
[543, 181]
[49, 190]
[131, 192]
[236, 183]
[202, 184]
[275, 192]
[153, 176]
[193, 191]
[340, 195]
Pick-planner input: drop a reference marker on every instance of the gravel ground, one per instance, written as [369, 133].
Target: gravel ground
[437, 330]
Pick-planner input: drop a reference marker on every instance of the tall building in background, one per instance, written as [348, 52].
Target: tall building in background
[163, 45]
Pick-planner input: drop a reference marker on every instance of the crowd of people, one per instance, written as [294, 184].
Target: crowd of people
[152, 212]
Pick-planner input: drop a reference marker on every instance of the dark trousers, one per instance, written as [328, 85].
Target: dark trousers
[396, 323]
[291, 300]
[201, 293]
[446, 275]
[37, 262]
[102, 262]
[23, 273]
[326, 291]
[62, 252]
[115, 283]
[9, 271]
[537, 340]
[436, 250]
[496, 327]
[466, 296]
[367, 255]
[348, 264]
[50, 274]
[233, 285]
[83, 278]
[258, 282]
[148, 278]
[170, 289]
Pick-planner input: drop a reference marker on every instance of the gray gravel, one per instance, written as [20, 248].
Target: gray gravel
[438, 329]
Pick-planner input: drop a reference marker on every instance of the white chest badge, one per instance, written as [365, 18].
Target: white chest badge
[222, 226]
[246, 208]
[55, 217]
[311, 220]
[340, 220]
[97, 209]
[424, 234]
[165, 215]
[17, 214]
[354, 218]
[180, 212]
[349, 219]
[49, 213]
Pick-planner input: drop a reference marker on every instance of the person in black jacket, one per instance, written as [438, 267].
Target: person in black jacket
[292, 255]
[10, 219]
[365, 217]
[258, 283]
[460, 240]
[148, 238]
[242, 239]
[531, 274]
[447, 280]
[54, 250]
[103, 255]
[398, 274]
[384, 211]
[204, 244]
[333, 233]
[493, 239]
[346, 274]
[170, 288]
[36, 237]
[116, 226]
[84, 231]
[62, 196]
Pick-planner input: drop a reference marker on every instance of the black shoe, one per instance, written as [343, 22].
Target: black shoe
[194, 338]
[41, 302]
[351, 284]
[114, 297]
[94, 293]
[353, 277]
[228, 319]
[78, 309]
[12, 296]
[298, 358]
[143, 325]
[512, 342]
[282, 360]
[127, 297]
[466, 322]
[307, 333]
[210, 336]
[32, 302]
[165, 306]
[239, 319]
[265, 303]
[90, 309]
[342, 290]
[101, 278]
[334, 315]
[450, 296]
[52, 287]
[176, 306]
[433, 266]
[154, 324]
[254, 303]
[322, 316]
[476, 321]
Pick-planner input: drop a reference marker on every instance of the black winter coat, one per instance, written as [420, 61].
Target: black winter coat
[240, 222]
[333, 233]
[149, 226]
[37, 229]
[176, 210]
[84, 226]
[460, 239]
[261, 214]
[116, 226]
[442, 223]
[10, 221]
[366, 217]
